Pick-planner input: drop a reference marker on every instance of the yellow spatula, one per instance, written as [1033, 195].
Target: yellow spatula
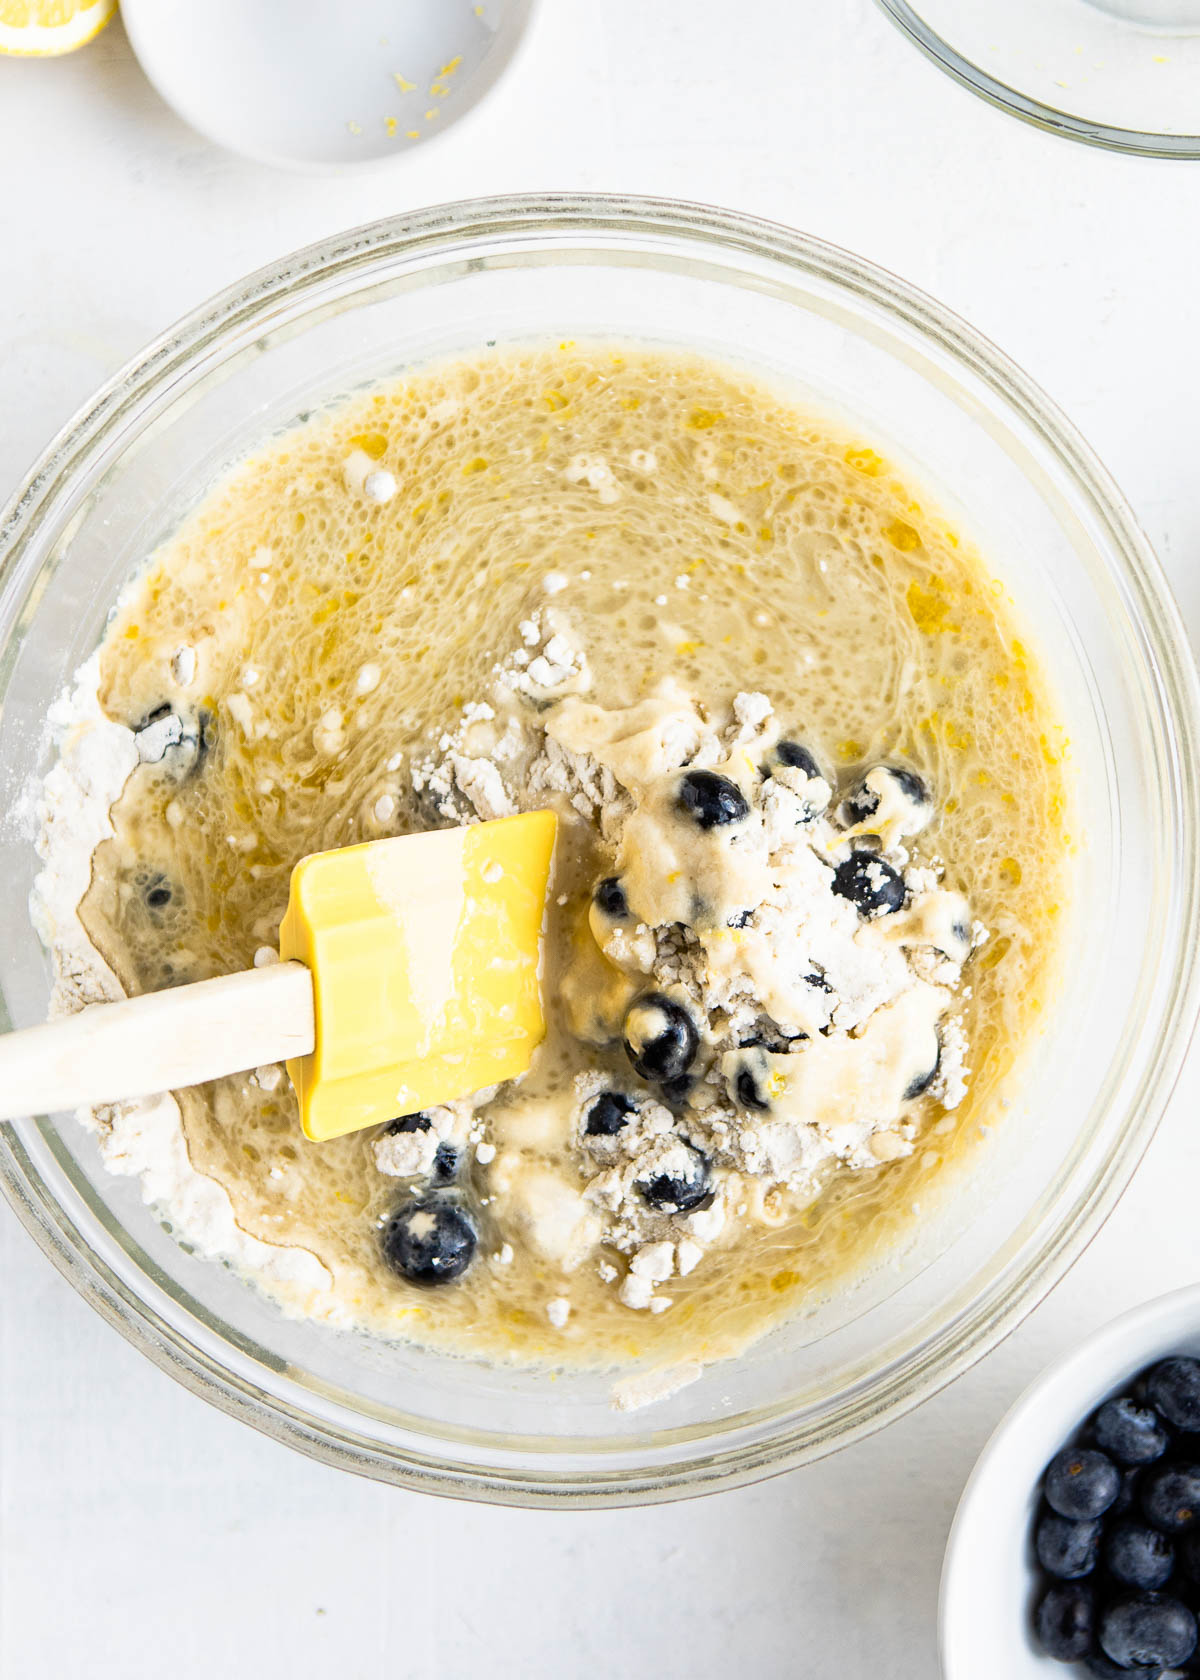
[409, 976]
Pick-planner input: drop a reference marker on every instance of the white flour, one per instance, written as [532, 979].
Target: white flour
[144, 1138]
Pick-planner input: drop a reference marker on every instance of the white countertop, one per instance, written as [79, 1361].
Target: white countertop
[142, 1532]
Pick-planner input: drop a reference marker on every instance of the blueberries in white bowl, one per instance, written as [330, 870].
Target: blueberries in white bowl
[1117, 1536]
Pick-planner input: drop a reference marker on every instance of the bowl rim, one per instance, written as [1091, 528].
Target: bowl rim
[1109, 137]
[1174, 698]
[1100, 1348]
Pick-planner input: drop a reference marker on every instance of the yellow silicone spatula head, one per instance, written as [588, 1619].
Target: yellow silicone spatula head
[424, 953]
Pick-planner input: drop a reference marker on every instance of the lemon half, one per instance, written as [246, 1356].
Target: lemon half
[45, 28]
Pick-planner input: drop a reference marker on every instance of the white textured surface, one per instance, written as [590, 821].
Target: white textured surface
[142, 1532]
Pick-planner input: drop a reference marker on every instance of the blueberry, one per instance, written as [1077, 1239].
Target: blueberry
[769, 1038]
[1129, 1498]
[1130, 1433]
[740, 919]
[156, 891]
[1067, 1549]
[1104, 1668]
[913, 786]
[712, 801]
[1173, 1389]
[796, 757]
[445, 1164]
[675, 1092]
[1080, 1483]
[1149, 1628]
[859, 805]
[1189, 1555]
[681, 1188]
[792, 756]
[428, 1240]
[862, 802]
[747, 1072]
[157, 733]
[746, 1091]
[1171, 1496]
[177, 742]
[870, 883]
[1064, 1620]
[922, 1081]
[607, 1115]
[609, 896]
[407, 1123]
[660, 1038]
[1137, 1556]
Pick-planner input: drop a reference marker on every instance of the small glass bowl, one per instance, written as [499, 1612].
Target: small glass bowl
[1121, 74]
[954, 414]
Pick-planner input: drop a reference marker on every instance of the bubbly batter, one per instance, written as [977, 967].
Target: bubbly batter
[463, 594]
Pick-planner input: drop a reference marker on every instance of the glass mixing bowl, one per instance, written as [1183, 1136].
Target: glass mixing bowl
[954, 414]
[1120, 74]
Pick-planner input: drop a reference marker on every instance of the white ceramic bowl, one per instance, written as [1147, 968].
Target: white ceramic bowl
[325, 87]
[988, 1583]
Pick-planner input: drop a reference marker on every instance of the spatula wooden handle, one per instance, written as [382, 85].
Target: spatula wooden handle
[159, 1042]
